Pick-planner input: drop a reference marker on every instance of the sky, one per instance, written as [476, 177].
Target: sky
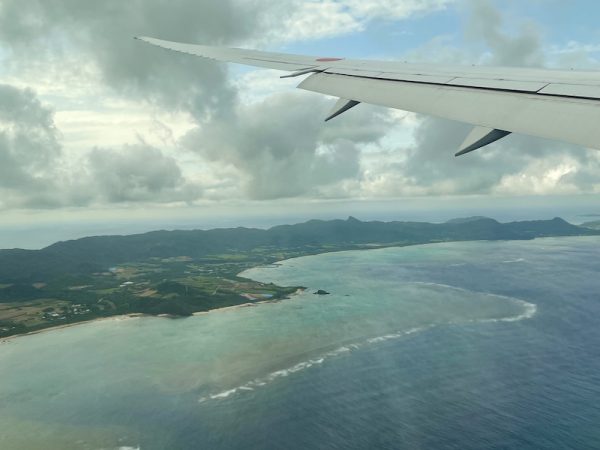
[100, 133]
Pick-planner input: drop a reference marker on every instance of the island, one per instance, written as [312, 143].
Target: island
[178, 273]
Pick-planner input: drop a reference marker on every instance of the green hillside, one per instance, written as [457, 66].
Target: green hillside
[182, 272]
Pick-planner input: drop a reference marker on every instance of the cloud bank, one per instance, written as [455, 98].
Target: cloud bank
[235, 144]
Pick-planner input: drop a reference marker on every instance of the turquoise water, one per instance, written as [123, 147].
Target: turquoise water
[458, 345]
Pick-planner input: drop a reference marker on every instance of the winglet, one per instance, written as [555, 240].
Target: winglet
[341, 106]
[480, 137]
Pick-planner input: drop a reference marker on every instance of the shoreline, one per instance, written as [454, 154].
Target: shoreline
[7, 339]
[74, 324]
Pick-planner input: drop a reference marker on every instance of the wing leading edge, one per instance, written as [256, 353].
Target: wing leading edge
[560, 105]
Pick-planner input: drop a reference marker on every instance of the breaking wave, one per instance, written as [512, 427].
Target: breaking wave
[263, 381]
[510, 261]
[529, 310]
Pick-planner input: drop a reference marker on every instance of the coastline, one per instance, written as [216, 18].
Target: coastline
[69, 325]
[7, 339]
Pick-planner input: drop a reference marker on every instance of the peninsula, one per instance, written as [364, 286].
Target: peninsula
[178, 273]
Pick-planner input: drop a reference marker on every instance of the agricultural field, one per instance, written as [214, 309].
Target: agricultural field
[174, 286]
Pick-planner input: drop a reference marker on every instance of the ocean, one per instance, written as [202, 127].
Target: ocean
[450, 346]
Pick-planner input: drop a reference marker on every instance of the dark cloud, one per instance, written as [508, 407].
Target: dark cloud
[283, 148]
[21, 108]
[29, 145]
[33, 174]
[279, 147]
[431, 167]
[137, 173]
[487, 26]
[102, 33]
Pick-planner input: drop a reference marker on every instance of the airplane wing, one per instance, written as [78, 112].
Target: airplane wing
[553, 104]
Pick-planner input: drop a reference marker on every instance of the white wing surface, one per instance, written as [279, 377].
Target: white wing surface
[554, 104]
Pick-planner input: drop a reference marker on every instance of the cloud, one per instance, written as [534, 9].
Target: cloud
[393, 9]
[313, 20]
[35, 174]
[487, 26]
[74, 40]
[29, 145]
[575, 55]
[102, 33]
[282, 148]
[295, 157]
[300, 20]
[248, 139]
[137, 173]
[516, 165]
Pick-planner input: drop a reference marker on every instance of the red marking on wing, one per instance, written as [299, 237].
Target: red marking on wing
[329, 59]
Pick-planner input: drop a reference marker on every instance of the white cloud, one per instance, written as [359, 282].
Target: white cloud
[257, 85]
[318, 19]
[392, 9]
[574, 47]
[133, 124]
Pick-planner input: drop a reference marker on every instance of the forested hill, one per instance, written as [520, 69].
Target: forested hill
[93, 254]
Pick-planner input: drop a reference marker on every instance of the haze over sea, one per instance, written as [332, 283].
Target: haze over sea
[454, 345]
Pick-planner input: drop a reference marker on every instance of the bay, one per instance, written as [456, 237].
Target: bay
[454, 345]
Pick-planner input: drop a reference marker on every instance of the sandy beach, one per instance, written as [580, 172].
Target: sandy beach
[69, 325]
[139, 315]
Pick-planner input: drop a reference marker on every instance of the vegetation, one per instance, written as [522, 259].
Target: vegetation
[178, 273]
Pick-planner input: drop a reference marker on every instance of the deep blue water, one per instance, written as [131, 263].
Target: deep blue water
[528, 384]
[431, 360]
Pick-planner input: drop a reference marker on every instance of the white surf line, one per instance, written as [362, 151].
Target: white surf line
[530, 310]
[263, 381]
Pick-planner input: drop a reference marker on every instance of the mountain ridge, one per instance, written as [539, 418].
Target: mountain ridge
[96, 253]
